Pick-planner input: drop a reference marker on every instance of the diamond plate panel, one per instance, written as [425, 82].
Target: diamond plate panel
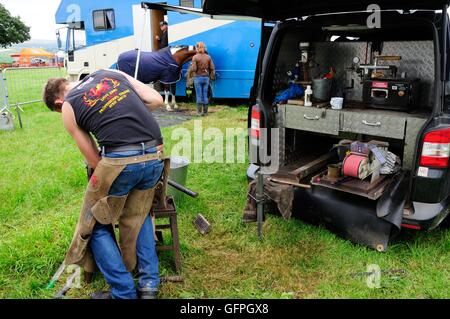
[417, 61]
[279, 123]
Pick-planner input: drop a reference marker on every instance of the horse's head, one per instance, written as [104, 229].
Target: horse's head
[183, 53]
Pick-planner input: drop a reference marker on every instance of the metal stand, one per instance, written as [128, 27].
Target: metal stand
[260, 203]
[170, 213]
[18, 110]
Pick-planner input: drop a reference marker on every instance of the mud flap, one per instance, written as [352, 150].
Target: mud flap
[349, 216]
[391, 204]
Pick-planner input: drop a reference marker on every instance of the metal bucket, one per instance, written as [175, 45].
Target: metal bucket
[322, 89]
[178, 173]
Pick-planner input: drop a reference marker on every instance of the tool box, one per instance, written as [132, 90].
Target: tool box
[393, 94]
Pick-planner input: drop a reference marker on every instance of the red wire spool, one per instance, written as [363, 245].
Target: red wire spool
[353, 165]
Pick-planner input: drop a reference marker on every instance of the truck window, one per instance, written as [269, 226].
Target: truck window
[187, 3]
[104, 20]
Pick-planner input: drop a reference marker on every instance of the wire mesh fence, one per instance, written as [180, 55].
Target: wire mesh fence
[3, 93]
[24, 85]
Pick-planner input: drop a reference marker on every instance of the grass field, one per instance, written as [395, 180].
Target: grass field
[41, 188]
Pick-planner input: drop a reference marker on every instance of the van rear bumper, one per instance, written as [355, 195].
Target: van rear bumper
[355, 218]
[428, 216]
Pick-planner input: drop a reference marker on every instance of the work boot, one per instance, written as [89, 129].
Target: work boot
[101, 295]
[147, 293]
[249, 217]
[205, 109]
[199, 109]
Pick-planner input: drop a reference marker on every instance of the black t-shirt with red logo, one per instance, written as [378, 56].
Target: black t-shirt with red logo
[106, 105]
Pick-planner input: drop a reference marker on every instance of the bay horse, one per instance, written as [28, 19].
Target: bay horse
[163, 65]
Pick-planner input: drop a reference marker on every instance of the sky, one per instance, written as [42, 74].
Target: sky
[39, 15]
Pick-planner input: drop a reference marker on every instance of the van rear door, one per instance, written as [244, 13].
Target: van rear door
[280, 10]
[196, 11]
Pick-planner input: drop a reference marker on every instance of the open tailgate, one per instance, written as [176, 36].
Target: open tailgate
[274, 10]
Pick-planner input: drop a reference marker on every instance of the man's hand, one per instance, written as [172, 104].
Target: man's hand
[151, 98]
[157, 37]
[83, 139]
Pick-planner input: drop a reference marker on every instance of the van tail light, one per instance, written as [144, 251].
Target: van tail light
[436, 149]
[255, 128]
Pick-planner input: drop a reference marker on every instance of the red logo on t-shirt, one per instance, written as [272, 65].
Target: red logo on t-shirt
[100, 91]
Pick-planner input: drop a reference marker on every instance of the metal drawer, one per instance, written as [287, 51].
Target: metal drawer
[383, 125]
[312, 119]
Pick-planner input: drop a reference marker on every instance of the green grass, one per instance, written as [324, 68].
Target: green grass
[41, 188]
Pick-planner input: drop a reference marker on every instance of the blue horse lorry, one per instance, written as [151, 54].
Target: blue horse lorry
[96, 32]
[390, 63]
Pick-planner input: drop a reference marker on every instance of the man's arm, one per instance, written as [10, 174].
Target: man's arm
[82, 138]
[94, 144]
[151, 98]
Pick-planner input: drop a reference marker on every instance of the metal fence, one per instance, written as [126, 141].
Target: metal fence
[23, 86]
[3, 93]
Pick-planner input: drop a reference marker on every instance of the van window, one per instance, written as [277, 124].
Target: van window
[187, 3]
[104, 20]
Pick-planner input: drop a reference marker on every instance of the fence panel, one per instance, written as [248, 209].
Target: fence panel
[25, 85]
[3, 94]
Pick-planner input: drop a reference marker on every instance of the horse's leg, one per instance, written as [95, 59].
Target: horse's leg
[174, 102]
[166, 97]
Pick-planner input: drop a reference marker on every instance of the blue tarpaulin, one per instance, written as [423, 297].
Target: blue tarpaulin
[294, 90]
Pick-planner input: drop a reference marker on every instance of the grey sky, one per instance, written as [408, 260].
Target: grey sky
[39, 15]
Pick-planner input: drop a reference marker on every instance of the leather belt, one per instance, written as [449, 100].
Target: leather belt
[131, 147]
[133, 159]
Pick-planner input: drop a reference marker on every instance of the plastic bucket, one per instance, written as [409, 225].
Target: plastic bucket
[322, 89]
[178, 173]
[6, 122]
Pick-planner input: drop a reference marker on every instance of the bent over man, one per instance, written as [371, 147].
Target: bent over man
[115, 109]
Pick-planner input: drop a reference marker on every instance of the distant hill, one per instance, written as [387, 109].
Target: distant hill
[48, 45]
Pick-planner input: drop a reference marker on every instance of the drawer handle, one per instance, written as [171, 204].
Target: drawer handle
[371, 124]
[315, 118]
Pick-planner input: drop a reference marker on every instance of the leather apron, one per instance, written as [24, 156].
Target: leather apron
[129, 211]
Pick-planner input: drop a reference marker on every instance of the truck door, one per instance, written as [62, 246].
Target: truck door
[157, 16]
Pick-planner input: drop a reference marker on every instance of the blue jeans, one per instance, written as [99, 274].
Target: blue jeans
[140, 176]
[201, 84]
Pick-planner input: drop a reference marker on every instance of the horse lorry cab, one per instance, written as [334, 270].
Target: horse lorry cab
[367, 151]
